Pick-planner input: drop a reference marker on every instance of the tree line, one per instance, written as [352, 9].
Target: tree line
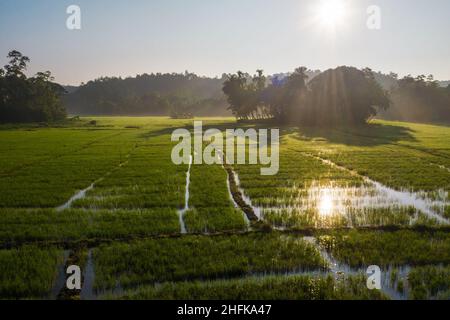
[344, 95]
[419, 99]
[340, 96]
[175, 94]
[34, 99]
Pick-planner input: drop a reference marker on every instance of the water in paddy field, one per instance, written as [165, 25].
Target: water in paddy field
[246, 199]
[221, 158]
[186, 199]
[80, 195]
[87, 290]
[404, 198]
[389, 283]
[359, 204]
[60, 281]
[331, 200]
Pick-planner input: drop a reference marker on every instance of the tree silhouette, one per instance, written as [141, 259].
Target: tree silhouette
[25, 99]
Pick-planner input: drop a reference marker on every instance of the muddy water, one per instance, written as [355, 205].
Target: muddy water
[186, 199]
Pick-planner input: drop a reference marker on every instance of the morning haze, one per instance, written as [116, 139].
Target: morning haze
[215, 37]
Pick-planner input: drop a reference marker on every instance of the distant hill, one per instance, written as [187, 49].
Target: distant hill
[148, 94]
[444, 83]
[70, 89]
[189, 94]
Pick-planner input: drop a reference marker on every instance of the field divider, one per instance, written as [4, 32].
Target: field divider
[237, 196]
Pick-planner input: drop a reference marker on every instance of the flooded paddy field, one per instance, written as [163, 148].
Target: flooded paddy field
[109, 198]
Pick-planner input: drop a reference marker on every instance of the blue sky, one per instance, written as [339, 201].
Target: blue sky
[211, 37]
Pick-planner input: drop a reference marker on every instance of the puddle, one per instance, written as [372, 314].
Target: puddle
[87, 291]
[186, 199]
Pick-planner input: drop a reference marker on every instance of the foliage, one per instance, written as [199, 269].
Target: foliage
[340, 96]
[23, 99]
[420, 99]
[148, 94]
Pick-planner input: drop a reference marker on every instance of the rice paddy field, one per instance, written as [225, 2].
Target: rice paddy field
[103, 193]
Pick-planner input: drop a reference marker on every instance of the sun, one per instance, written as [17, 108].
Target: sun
[331, 13]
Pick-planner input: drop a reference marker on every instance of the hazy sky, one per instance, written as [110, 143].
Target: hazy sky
[211, 37]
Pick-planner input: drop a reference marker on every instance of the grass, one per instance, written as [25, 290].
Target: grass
[267, 288]
[365, 248]
[200, 257]
[28, 272]
[429, 282]
[211, 206]
[138, 191]
[21, 225]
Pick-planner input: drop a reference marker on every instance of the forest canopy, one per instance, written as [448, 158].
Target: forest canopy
[22, 99]
[175, 94]
[419, 99]
[340, 96]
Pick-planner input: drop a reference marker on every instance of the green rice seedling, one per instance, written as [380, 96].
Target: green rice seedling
[28, 272]
[429, 282]
[201, 257]
[210, 203]
[297, 287]
[20, 225]
[50, 181]
[364, 248]
[210, 220]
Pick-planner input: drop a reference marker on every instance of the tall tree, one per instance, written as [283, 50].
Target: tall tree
[344, 96]
[25, 99]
